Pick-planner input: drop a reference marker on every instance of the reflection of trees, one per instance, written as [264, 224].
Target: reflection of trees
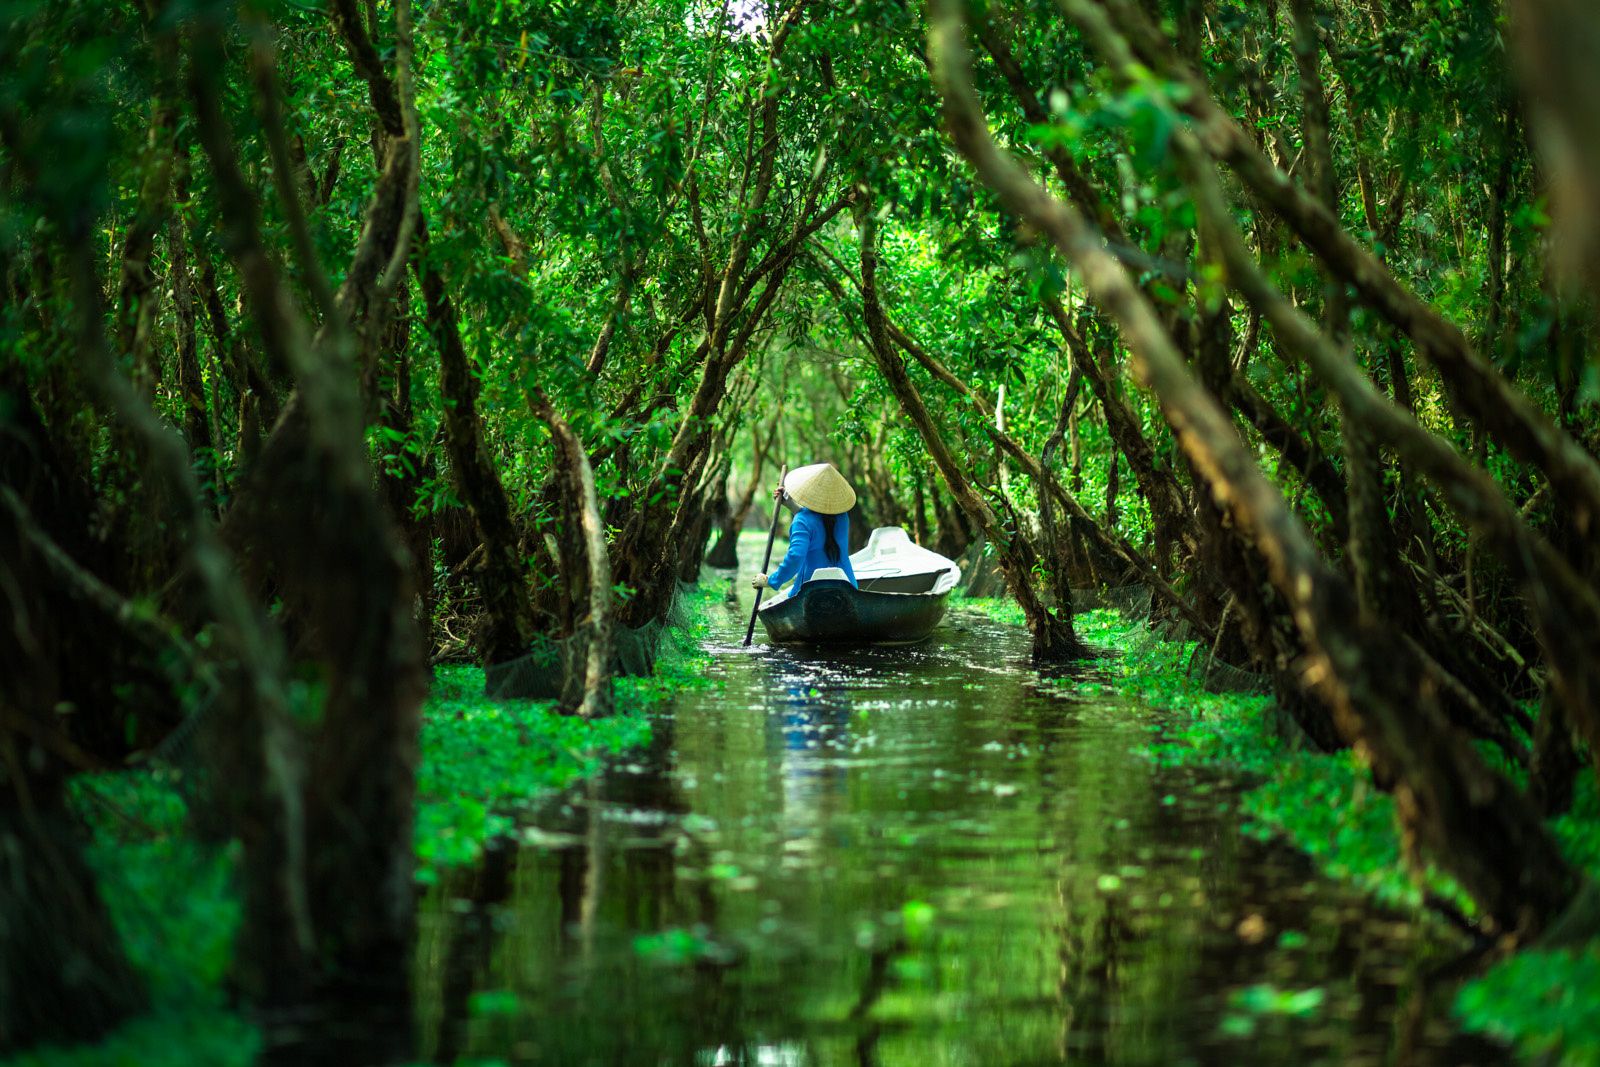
[1089, 950]
[1030, 958]
[630, 887]
[1069, 952]
[611, 880]
[872, 989]
[564, 900]
[470, 944]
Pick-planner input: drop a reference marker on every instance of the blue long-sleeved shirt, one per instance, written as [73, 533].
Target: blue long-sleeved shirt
[808, 548]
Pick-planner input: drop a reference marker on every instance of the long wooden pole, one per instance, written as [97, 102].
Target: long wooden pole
[766, 560]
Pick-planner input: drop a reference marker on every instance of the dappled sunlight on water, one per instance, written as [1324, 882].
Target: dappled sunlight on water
[913, 856]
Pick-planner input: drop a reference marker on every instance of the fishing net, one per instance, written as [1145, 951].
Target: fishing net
[1129, 601]
[537, 675]
[1136, 604]
[1213, 674]
[1154, 631]
[177, 749]
[178, 758]
[1219, 677]
[980, 574]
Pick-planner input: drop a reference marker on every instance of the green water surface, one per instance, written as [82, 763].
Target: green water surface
[913, 857]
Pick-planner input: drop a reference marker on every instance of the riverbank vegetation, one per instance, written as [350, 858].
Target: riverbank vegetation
[176, 909]
[1323, 803]
[343, 341]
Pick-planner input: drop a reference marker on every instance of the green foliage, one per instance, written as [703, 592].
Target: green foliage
[170, 896]
[1325, 805]
[1249, 1005]
[1578, 829]
[173, 905]
[1545, 1003]
[678, 947]
[917, 918]
[617, 144]
[999, 609]
[483, 760]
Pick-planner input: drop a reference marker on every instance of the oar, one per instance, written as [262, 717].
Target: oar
[766, 561]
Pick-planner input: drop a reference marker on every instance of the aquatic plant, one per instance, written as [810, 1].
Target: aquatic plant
[1543, 1002]
[173, 897]
[343, 340]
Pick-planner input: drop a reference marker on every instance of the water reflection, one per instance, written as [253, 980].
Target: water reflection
[911, 857]
[810, 736]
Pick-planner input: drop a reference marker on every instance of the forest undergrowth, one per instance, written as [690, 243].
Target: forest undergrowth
[1545, 1003]
[483, 761]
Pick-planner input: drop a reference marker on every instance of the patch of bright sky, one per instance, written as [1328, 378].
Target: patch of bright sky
[740, 18]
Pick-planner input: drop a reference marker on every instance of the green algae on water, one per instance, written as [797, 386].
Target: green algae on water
[1545, 1003]
[172, 899]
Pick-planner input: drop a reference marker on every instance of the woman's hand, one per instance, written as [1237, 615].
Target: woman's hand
[759, 582]
[777, 493]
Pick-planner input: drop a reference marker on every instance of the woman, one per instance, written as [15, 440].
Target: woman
[819, 533]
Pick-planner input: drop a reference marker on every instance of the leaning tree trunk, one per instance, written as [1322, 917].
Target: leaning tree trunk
[1053, 635]
[726, 551]
[345, 883]
[1474, 385]
[585, 571]
[405, 474]
[723, 553]
[508, 624]
[1168, 509]
[63, 975]
[1046, 485]
[1451, 804]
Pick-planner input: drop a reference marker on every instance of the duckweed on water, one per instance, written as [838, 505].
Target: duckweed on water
[171, 902]
[1348, 829]
[171, 897]
[1546, 1003]
[483, 759]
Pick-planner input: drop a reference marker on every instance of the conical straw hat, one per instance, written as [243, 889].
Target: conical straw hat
[821, 488]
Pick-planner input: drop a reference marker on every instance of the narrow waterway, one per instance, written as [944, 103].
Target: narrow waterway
[918, 857]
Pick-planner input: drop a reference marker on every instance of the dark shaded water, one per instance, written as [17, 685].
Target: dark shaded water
[912, 857]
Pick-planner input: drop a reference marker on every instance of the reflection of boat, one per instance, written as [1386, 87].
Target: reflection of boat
[902, 595]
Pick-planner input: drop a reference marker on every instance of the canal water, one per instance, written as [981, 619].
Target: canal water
[915, 857]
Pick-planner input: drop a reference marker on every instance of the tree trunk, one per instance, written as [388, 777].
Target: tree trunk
[191, 386]
[1053, 635]
[508, 624]
[586, 571]
[1453, 805]
[1160, 489]
[1475, 386]
[329, 914]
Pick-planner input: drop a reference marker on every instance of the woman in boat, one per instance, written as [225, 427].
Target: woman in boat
[819, 533]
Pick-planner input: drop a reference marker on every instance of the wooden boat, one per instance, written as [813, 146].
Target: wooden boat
[903, 592]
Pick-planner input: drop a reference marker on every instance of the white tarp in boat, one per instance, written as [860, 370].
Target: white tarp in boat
[890, 554]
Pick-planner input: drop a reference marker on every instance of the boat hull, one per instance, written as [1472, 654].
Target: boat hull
[829, 611]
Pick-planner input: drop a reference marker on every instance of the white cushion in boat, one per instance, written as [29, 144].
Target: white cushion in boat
[834, 573]
[890, 552]
[886, 539]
